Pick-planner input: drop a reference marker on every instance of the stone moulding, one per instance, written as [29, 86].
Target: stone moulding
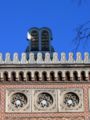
[44, 100]
[47, 58]
[45, 118]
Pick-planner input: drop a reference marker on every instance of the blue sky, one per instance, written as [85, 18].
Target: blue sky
[61, 16]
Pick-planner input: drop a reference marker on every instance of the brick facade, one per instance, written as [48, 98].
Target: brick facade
[51, 90]
[35, 115]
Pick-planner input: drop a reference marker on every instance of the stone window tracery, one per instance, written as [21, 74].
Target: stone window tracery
[71, 99]
[18, 100]
[44, 100]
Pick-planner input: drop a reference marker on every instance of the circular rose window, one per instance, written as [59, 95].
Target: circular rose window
[18, 100]
[71, 99]
[44, 100]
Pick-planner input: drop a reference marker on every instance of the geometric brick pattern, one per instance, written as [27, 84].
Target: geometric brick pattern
[59, 115]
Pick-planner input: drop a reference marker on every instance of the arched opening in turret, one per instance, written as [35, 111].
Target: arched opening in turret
[75, 75]
[52, 76]
[44, 76]
[29, 78]
[21, 76]
[5, 76]
[13, 76]
[83, 75]
[60, 76]
[45, 37]
[67, 76]
[34, 40]
[36, 76]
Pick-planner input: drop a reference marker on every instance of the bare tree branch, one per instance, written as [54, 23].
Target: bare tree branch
[82, 35]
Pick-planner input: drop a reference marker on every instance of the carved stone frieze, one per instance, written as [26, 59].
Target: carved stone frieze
[70, 100]
[18, 100]
[44, 100]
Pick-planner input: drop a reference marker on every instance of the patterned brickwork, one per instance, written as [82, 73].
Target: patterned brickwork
[56, 116]
[49, 118]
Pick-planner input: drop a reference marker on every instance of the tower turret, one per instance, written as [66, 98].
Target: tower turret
[39, 41]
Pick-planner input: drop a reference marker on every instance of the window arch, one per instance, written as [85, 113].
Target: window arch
[0, 76]
[83, 75]
[13, 76]
[52, 76]
[89, 75]
[44, 76]
[45, 37]
[75, 75]
[36, 76]
[29, 76]
[5, 76]
[21, 76]
[60, 76]
[34, 40]
[67, 75]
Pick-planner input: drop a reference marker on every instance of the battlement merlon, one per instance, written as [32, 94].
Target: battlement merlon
[47, 60]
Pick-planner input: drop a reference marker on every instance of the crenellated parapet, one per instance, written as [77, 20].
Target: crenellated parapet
[40, 60]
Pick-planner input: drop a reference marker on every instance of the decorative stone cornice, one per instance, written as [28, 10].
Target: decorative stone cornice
[46, 60]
